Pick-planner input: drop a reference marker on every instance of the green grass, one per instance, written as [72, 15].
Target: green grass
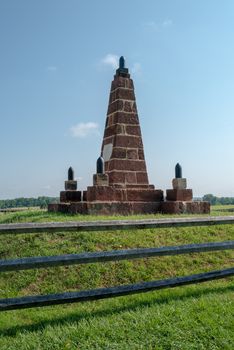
[191, 317]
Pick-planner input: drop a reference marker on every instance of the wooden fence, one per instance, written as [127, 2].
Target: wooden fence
[115, 255]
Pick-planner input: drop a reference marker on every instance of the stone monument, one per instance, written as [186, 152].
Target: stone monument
[120, 184]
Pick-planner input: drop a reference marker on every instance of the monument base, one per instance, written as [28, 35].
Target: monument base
[106, 208]
[182, 207]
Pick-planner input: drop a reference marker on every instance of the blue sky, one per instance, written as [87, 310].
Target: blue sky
[56, 65]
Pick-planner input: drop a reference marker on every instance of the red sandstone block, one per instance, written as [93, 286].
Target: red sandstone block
[125, 164]
[144, 195]
[173, 207]
[122, 94]
[130, 177]
[129, 107]
[198, 207]
[78, 208]
[117, 177]
[179, 195]
[125, 94]
[133, 130]
[141, 153]
[105, 193]
[124, 118]
[180, 207]
[114, 129]
[142, 178]
[132, 153]
[59, 207]
[70, 196]
[123, 208]
[124, 82]
[118, 82]
[140, 186]
[84, 196]
[118, 152]
[115, 106]
[128, 141]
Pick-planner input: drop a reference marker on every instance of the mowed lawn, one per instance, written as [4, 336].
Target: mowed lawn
[192, 317]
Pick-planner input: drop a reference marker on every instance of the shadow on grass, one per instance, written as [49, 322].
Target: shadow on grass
[131, 305]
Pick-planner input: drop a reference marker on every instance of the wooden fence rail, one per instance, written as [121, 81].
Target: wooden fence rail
[94, 257]
[114, 255]
[113, 224]
[102, 293]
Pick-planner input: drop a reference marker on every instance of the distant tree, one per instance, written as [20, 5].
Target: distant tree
[27, 202]
[218, 200]
[210, 198]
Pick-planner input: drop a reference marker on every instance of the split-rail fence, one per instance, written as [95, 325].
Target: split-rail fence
[95, 257]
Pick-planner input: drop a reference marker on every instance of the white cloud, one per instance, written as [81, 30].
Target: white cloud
[110, 60]
[136, 68]
[82, 130]
[52, 68]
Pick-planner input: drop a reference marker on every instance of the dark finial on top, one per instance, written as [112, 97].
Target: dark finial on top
[122, 71]
[121, 62]
[100, 166]
[70, 174]
[178, 171]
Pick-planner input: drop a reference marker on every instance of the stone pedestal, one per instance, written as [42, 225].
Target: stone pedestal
[179, 184]
[100, 180]
[179, 195]
[179, 200]
[70, 185]
[70, 196]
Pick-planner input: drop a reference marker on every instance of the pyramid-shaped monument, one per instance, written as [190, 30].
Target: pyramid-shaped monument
[121, 185]
[122, 147]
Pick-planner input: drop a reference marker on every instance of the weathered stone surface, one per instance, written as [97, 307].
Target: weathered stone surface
[105, 193]
[115, 194]
[142, 178]
[179, 184]
[84, 196]
[130, 177]
[180, 207]
[121, 82]
[71, 185]
[133, 130]
[127, 165]
[119, 152]
[114, 129]
[70, 196]
[100, 180]
[128, 141]
[144, 195]
[179, 195]
[59, 207]
[131, 153]
[123, 208]
[123, 118]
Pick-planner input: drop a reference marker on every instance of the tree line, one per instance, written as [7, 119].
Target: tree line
[218, 200]
[41, 202]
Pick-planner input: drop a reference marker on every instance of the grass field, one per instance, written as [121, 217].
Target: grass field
[191, 317]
